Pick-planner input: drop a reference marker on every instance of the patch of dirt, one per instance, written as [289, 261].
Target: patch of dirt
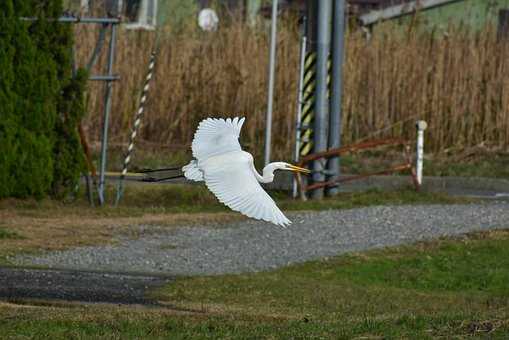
[65, 230]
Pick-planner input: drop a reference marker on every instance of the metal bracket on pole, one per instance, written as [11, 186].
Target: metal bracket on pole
[80, 20]
[105, 78]
[98, 47]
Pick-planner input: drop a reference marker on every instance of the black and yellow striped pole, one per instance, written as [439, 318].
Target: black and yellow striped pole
[307, 105]
[308, 102]
[307, 86]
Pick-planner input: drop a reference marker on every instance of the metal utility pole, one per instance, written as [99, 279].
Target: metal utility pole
[107, 110]
[338, 44]
[322, 102]
[307, 85]
[272, 68]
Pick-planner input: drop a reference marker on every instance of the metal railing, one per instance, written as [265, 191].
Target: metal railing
[363, 146]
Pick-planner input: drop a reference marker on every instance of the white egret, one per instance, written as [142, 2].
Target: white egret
[229, 172]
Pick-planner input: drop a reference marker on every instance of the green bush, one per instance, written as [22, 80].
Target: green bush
[7, 98]
[67, 148]
[41, 102]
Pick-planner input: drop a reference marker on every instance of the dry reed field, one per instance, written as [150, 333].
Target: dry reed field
[455, 81]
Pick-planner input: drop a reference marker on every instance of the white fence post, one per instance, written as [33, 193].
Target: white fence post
[421, 125]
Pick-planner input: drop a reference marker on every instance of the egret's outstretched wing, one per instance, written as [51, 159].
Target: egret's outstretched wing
[234, 184]
[216, 136]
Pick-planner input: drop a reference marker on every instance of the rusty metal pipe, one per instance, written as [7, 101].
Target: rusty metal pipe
[396, 168]
[351, 148]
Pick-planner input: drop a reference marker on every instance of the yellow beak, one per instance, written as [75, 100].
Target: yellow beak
[298, 169]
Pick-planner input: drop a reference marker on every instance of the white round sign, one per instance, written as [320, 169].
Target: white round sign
[208, 20]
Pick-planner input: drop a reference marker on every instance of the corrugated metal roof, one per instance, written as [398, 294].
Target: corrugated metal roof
[355, 5]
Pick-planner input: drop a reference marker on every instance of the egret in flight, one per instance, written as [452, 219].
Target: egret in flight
[229, 172]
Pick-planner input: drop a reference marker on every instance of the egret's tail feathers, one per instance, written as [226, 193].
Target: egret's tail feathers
[192, 172]
[285, 223]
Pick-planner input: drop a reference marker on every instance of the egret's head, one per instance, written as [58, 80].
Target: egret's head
[291, 167]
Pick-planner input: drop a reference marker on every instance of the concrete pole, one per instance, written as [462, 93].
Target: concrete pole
[421, 126]
[272, 69]
[338, 44]
[310, 25]
[322, 102]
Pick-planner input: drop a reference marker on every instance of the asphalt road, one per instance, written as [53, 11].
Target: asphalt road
[18, 284]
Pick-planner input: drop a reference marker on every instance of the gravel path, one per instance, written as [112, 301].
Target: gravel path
[253, 246]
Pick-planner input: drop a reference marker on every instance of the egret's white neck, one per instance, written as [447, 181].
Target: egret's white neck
[268, 172]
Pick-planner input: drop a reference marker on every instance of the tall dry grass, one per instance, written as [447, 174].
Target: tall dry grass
[457, 82]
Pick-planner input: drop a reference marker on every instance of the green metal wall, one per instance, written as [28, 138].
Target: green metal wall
[177, 13]
[473, 13]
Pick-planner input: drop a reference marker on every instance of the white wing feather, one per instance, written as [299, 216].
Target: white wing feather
[216, 136]
[192, 172]
[230, 177]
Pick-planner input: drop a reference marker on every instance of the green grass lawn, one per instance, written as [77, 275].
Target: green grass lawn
[450, 289]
